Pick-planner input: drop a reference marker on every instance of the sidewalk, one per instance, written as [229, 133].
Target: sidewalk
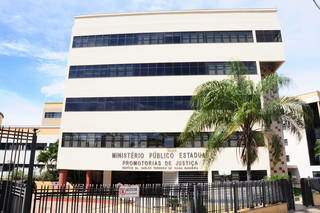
[301, 208]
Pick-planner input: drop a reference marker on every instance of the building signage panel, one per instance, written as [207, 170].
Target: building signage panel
[158, 159]
[128, 191]
[153, 159]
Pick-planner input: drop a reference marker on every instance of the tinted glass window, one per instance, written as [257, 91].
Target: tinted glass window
[162, 38]
[156, 69]
[128, 103]
[268, 36]
[133, 140]
[52, 114]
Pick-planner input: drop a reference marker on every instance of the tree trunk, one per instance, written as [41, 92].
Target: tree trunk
[248, 171]
[248, 160]
[250, 194]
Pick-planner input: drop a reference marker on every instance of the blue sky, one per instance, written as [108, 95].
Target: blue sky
[35, 37]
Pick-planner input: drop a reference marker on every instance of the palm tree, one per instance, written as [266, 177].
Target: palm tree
[236, 106]
[49, 155]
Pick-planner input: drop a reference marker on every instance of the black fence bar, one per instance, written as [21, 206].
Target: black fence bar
[154, 198]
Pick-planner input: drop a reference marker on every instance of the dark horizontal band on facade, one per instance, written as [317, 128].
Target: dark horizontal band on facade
[52, 114]
[175, 38]
[162, 38]
[157, 69]
[143, 103]
[136, 140]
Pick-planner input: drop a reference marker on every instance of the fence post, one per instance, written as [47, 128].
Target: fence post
[29, 186]
[291, 195]
[263, 193]
[250, 195]
[307, 199]
[235, 197]
[195, 199]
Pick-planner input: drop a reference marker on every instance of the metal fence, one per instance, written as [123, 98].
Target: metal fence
[308, 187]
[187, 198]
[16, 169]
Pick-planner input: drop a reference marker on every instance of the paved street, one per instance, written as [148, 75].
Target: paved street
[301, 208]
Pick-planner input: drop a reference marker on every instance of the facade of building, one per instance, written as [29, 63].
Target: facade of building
[130, 80]
[301, 158]
[47, 132]
[1, 118]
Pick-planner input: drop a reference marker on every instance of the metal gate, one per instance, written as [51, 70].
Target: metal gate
[17, 153]
[308, 186]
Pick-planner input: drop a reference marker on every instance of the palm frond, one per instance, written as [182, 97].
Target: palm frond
[217, 140]
[317, 148]
[214, 95]
[198, 122]
[287, 110]
[272, 83]
[308, 115]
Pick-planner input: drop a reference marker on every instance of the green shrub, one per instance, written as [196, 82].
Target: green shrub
[173, 202]
[277, 177]
[296, 191]
[48, 175]
[18, 175]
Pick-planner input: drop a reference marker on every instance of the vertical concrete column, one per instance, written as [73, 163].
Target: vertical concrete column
[107, 177]
[63, 174]
[88, 179]
[209, 176]
[276, 167]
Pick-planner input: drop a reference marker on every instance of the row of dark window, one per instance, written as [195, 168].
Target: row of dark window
[129, 103]
[268, 36]
[236, 175]
[175, 38]
[52, 114]
[21, 146]
[156, 69]
[136, 140]
[162, 38]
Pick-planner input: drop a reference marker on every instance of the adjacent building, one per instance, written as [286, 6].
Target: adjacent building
[130, 80]
[47, 132]
[300, 154]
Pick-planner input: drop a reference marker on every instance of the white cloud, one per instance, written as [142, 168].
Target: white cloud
[51, 64]
[24, 48]
[52, 69]
[53, 89]
[18, 110]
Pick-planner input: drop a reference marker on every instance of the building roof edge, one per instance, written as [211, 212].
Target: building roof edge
[242, 10]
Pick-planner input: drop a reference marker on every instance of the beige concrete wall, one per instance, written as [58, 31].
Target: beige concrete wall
[1, 118]
[310, 97]
[51, 107]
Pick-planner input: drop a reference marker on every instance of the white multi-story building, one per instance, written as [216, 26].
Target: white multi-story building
[130, 80]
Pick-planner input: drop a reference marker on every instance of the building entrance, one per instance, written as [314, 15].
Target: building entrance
[136, 177]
